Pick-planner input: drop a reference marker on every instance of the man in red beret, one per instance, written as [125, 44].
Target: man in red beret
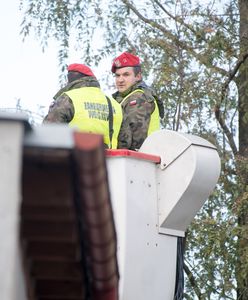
[83, 105]
[141, 108]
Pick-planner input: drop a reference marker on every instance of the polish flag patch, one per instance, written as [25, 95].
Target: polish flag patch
[134, 102]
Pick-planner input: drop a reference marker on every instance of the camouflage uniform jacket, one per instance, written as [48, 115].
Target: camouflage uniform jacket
[62, 110]
[137, 110]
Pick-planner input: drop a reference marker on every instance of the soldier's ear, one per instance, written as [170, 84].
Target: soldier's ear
[139, 76]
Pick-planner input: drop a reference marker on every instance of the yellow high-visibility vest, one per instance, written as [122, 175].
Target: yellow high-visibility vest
[92, 113]
[154, 120]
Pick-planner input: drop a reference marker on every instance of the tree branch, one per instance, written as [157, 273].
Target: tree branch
[194, 284]
[179, 20]
[217, 111]
[232, 75]
[201, 58]
[192, 281]
[226, 130]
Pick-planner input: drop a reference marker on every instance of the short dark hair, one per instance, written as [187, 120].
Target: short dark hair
[72, 75]
[136, 70]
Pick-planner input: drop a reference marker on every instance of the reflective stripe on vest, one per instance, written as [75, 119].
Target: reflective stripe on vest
[117, 120]
[92, 112]
[154, 120]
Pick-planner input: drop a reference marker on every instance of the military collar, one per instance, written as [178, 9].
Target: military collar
[82, 82]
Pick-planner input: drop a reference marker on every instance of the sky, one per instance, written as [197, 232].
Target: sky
[27, 73]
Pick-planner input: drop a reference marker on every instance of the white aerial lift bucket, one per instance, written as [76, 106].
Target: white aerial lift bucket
[156, 193]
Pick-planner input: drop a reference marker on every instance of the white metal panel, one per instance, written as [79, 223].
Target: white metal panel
[190, 170]
[19, 290]
[11, 136]
[118, 192]
[169, 145]
[147, 259]
[184, 187]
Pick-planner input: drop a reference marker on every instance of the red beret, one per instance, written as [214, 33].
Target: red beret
[81, 69]
[125, 60]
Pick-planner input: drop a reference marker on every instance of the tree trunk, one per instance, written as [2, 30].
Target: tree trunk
[242, 160]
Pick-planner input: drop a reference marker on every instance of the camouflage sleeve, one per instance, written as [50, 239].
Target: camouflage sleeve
[125, 135]
[61, 110]
[137, 113]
